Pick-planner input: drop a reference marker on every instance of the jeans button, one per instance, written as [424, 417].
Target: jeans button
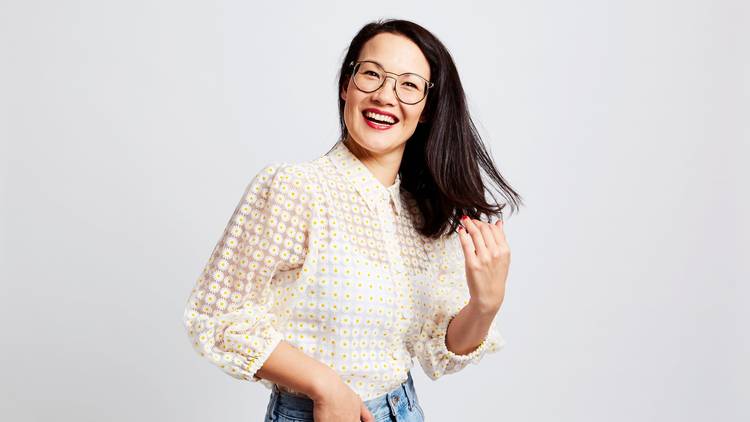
[395, 400]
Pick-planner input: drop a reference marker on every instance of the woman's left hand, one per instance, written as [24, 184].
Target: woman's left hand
[487, 257]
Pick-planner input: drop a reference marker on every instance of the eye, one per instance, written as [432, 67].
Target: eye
[371, 72]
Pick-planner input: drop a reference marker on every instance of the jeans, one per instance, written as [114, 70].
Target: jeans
[399, 405]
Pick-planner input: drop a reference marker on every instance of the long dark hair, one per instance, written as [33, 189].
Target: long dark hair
[444, 159]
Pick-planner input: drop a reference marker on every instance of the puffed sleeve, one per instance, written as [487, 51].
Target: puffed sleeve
[228, 314]
[445, 298]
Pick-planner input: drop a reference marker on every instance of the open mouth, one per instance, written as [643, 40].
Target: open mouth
[379, 119]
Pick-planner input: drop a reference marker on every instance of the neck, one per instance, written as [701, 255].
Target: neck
[383, 166]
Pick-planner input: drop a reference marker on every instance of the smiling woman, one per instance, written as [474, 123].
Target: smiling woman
[332, 275]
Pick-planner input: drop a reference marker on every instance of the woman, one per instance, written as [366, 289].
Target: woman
[333, 274]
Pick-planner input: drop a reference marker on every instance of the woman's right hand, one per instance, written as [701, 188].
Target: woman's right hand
[339, 403]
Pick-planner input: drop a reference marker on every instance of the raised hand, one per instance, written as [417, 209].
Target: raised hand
[487, 256]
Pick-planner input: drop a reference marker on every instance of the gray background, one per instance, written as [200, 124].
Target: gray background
[130, 130]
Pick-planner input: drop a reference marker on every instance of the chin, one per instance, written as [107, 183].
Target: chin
[377, 144]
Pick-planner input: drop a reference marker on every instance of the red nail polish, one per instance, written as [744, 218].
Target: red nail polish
[464, 217]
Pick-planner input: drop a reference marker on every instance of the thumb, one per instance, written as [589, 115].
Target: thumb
[365, 414]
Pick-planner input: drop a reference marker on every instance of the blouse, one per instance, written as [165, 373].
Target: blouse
[324, 256]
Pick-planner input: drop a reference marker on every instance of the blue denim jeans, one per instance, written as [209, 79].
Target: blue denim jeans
[399, 405]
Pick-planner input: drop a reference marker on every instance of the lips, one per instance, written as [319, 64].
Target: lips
[377, 126]
[384, 113]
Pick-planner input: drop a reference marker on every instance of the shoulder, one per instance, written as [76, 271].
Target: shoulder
[279, 174]
[292, 183]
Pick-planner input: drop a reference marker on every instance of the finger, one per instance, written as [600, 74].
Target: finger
[503, 246]
[476, 235]
[489, 237]
[365, 414]
[498, 231]
[466, 244]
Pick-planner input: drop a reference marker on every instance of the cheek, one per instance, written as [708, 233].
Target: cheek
[349, 111]
[413, 116]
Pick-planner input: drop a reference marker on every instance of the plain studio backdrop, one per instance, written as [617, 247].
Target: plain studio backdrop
[130, 130]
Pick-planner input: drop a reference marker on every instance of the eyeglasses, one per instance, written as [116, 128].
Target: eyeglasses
[410, 88]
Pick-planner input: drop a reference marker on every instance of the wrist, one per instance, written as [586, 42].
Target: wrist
[322, 382]
[484, 309]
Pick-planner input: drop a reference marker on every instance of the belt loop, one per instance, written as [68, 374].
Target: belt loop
[389, 402]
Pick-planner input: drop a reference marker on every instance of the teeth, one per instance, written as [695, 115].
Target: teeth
[380, 117]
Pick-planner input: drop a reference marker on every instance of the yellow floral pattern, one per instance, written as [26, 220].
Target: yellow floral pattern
[322, 255]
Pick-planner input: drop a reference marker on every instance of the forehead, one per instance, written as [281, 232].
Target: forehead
[396, 54]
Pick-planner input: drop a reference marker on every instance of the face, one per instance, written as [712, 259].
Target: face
[396, 54]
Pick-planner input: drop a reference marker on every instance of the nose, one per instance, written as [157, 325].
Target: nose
[386, 94]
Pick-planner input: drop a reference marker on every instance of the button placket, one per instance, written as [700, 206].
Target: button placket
[391, 242]
[393, 250]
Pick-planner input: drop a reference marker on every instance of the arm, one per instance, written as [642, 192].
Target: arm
[447, 305]
[487, 258]
[230, 316]
[292, 368]
[334, 400]
[468, 329]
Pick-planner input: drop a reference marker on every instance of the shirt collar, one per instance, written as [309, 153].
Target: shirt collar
[364, 181]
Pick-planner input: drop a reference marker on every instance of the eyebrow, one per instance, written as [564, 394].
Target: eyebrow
[397, 74]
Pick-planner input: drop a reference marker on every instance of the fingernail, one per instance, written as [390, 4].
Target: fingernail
[460, 228]
[464, 217]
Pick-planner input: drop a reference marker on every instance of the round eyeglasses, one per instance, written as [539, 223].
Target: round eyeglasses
[410, 88]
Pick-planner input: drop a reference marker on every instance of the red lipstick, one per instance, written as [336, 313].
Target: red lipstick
[376, 125]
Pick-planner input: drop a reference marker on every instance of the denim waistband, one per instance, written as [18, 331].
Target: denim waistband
[392, 403]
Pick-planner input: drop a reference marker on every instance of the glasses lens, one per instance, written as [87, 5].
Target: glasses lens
[410, 88]
[369, 76]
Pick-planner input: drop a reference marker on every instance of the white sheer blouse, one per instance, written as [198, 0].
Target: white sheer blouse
[322, 255]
